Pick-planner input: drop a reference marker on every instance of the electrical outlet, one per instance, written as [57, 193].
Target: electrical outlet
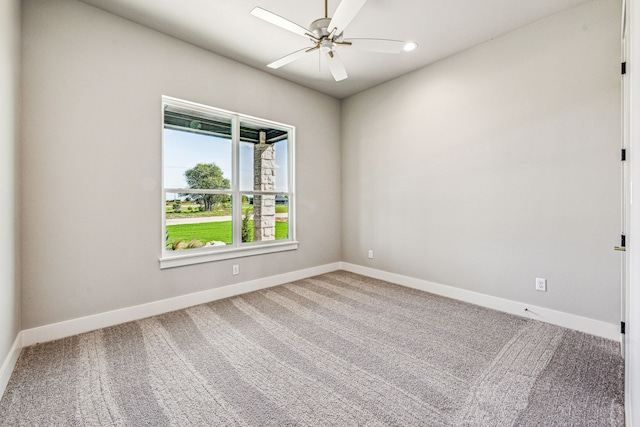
[236, 270]
[541, 284]
[370, 254]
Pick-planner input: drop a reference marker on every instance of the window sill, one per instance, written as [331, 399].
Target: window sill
[196, 256]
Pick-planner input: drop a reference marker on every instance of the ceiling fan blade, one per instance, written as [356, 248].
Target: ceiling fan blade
[376, 45]
[289, 58]
[336, 66]
[281, 22]
[346, 11]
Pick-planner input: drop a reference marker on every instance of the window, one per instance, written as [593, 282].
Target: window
[227, 185]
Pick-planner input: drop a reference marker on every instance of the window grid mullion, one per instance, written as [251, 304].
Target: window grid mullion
[236, 198]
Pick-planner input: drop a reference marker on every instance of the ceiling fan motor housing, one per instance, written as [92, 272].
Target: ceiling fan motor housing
[320, 27]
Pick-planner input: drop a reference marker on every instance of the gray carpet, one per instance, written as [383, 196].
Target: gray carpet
[337, 349]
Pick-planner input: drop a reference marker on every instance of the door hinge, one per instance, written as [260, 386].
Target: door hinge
[623, 240]
[622, 327]
[623, 156]
[623, 68]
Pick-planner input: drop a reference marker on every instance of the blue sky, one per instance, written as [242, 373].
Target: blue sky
[183, 150]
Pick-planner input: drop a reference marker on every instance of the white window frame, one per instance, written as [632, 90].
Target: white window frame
[238, 249]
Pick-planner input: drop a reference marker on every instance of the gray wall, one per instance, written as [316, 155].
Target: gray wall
[91, 161]
[9, 115]
[496, 166]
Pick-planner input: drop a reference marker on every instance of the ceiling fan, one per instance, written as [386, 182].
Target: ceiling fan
[327, 33]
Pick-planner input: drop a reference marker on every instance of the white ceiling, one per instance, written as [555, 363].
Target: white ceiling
[440, 27]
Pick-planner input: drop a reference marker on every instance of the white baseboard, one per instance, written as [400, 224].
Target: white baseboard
[10, 363]
[90, 323]
[571, 321]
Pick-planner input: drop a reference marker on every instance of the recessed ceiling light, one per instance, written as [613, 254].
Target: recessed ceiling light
[410, 46]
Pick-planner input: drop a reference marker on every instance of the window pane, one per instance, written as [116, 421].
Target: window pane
[190, 225]
[197, 152]
[282, 217]
[263, 162]
[265, 218]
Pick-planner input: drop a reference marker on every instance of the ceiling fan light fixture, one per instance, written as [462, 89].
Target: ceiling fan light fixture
[409, 46]
[327, 33]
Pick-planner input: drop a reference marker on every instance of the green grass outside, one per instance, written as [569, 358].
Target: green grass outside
[222, 211]
[221, 231]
